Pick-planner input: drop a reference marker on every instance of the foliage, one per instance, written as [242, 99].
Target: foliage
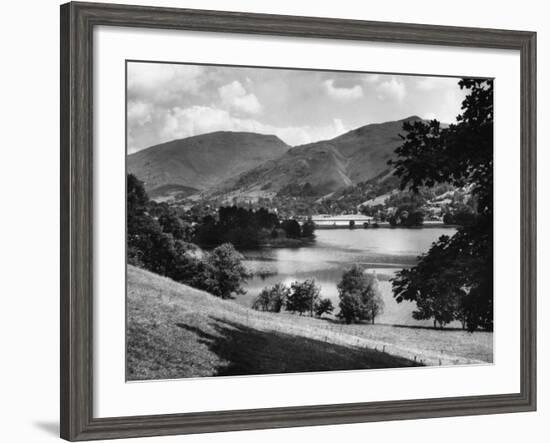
[298, 190]
[272, 299]
[223, 273]
[292, 228]
[172, 224]
[460, 212]
[303, 297]
[308, 229]
[246, 228]
[136, 197]
[323, 306]
[408, 210]
[455, 278]
[360, 297]
[239, 226]
[148, 246]
[157, 243]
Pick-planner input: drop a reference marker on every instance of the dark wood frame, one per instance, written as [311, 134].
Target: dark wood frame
[77, 24]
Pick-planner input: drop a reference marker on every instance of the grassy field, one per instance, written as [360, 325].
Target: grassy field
[175, 331]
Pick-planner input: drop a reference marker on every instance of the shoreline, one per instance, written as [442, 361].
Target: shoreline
[385, 225]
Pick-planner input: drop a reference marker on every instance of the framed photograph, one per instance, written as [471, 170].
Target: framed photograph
[273, 221]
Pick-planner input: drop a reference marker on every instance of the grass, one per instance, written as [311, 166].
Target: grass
[175, 331]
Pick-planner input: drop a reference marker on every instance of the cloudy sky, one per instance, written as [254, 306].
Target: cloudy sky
[171, 101]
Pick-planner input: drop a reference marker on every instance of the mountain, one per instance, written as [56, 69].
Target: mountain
[198, 163]
[356, 156]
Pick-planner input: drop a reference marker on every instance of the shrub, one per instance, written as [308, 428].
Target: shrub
[271, 299]
[303, 297]
[323, 306]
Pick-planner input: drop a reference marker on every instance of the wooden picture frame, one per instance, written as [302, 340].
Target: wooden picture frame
[77, 23]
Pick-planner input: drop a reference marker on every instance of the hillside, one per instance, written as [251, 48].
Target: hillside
[328, 166]
[175, 331]
[200, 162]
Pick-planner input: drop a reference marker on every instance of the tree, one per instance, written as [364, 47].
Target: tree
[172, 224]
[351, 307]
[136, 197]
[271, 299]
[413, 218]
[292, 228]
[408, 210]
[188, 268]
[461, 154]
[360, 297]
[303, 297]
[224, 273]
[323, 306]
[158, 246]
[435, 284]
[374, 304]
[147, 245]
[308, 229]
[462, 215]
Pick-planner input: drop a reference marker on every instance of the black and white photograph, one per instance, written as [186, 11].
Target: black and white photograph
[286, 220]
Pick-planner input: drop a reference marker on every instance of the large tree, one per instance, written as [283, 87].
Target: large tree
[360, 297]
[148, 245]
[224, 273]
[457, 271]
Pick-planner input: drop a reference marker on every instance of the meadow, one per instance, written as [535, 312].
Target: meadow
[175, 331]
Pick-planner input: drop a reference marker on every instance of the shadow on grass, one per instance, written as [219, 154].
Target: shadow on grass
[335, 321]
[430, 328]
[248, 351]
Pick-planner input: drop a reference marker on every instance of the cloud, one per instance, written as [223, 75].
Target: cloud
[170, 101]
[429, 116]
[161, 83]
[433, 83]
[371, 78]
[343, 94]
[301, 135]
[140, 113]
[393, 88]
[187, 122]
[339, 126]
[234, 96]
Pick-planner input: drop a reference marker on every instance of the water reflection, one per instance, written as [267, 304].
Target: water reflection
[383, 251]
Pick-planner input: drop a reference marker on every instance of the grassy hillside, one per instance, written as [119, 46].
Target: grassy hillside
[175, 331]
[330, 165]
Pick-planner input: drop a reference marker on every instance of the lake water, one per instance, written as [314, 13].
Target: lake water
[383, 251]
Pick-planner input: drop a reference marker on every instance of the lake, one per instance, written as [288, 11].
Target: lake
[383, 251]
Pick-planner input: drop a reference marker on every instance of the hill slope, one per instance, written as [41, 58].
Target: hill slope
[202, 161]
[175, 331]
[330, 165]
